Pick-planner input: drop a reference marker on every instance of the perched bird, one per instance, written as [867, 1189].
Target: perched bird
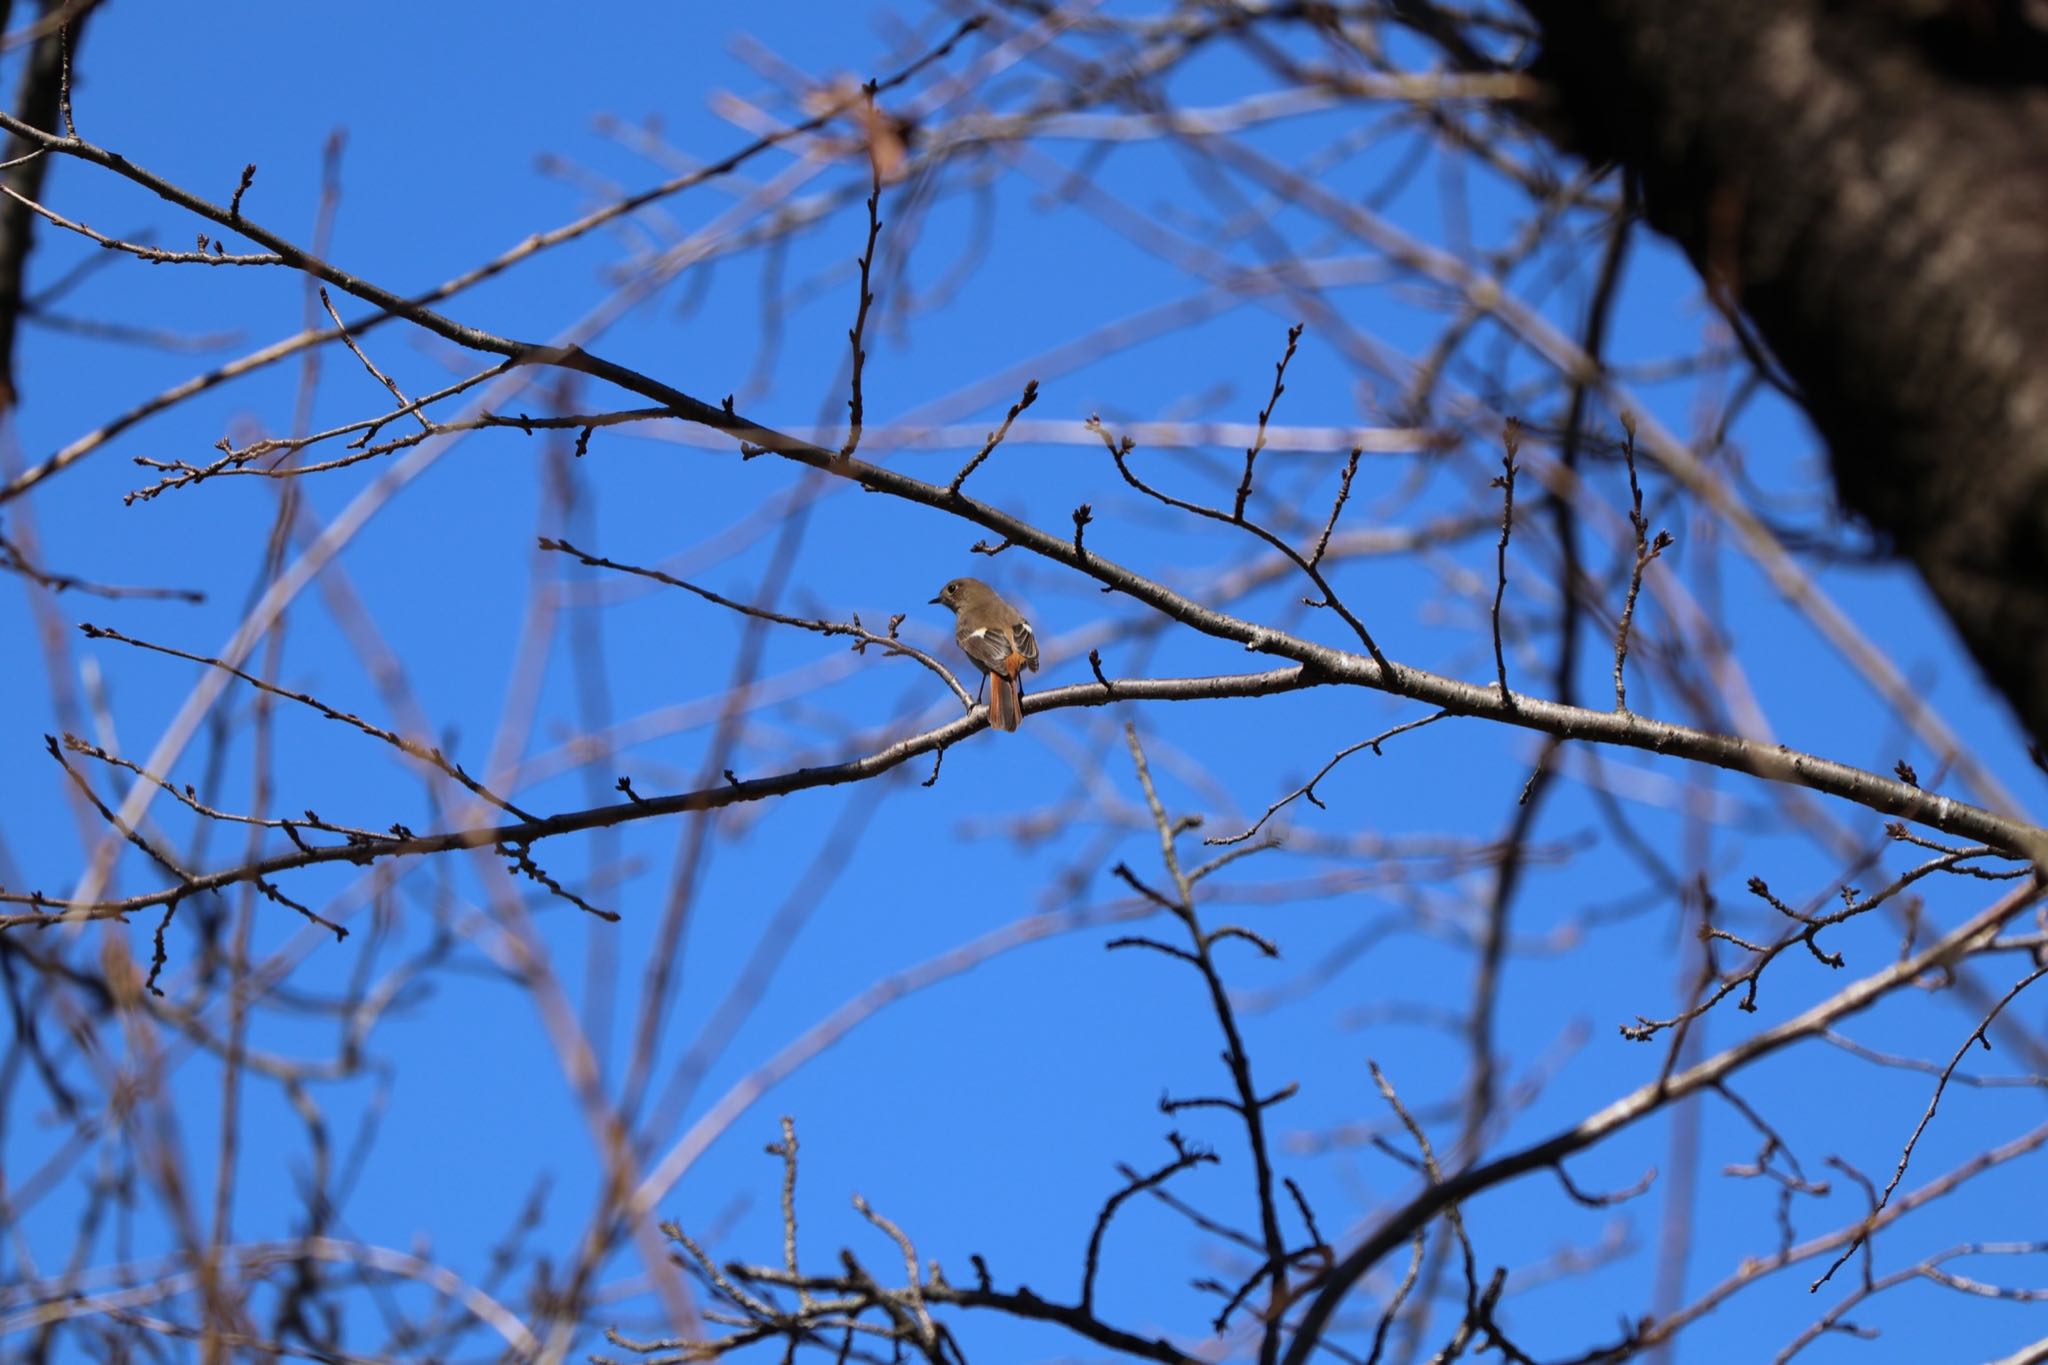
[998, 639]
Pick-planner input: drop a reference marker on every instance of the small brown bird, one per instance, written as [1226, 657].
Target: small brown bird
[998, 639]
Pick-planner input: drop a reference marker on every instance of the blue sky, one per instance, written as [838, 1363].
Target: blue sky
[986, 1114]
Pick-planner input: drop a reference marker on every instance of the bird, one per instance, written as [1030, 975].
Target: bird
[997, 637]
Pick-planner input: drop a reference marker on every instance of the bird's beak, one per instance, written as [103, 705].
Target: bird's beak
[937, 603]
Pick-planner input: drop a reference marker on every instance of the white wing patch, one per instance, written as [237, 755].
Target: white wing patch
[989, 648]
[1027, 644]
[992, 646]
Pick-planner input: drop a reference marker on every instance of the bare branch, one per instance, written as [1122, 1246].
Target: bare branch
[995, 438]
[1244, 487]
[1511, 441]
[1646, 551]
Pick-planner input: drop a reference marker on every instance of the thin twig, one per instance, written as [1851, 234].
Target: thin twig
[154, 255]
[1927, 1117]
[1511, 440]
[888, 643]
[1646, 550]
[1244, 487]
[411, 748]
[13, 560]
[1184, 1157]
[1308, 789]
[1249, 1104]
[1343, 493]
[786, 1149]
[995, 438]
[404, 403]
[855, 409]
[1119, 451]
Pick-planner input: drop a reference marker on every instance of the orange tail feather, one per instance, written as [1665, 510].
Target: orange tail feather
[1005, 703]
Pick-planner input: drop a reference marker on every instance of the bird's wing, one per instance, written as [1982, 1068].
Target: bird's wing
[988, 647]
[1026, 642]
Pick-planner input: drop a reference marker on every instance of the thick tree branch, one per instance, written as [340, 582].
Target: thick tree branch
[47, 910]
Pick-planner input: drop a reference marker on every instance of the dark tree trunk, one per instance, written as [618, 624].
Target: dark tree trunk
[1869, 183]
[36, 102]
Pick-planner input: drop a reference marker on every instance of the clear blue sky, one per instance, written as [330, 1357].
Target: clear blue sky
[989, 1113]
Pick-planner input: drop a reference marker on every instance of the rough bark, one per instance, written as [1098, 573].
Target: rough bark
[36, 102]
[1869, 184]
